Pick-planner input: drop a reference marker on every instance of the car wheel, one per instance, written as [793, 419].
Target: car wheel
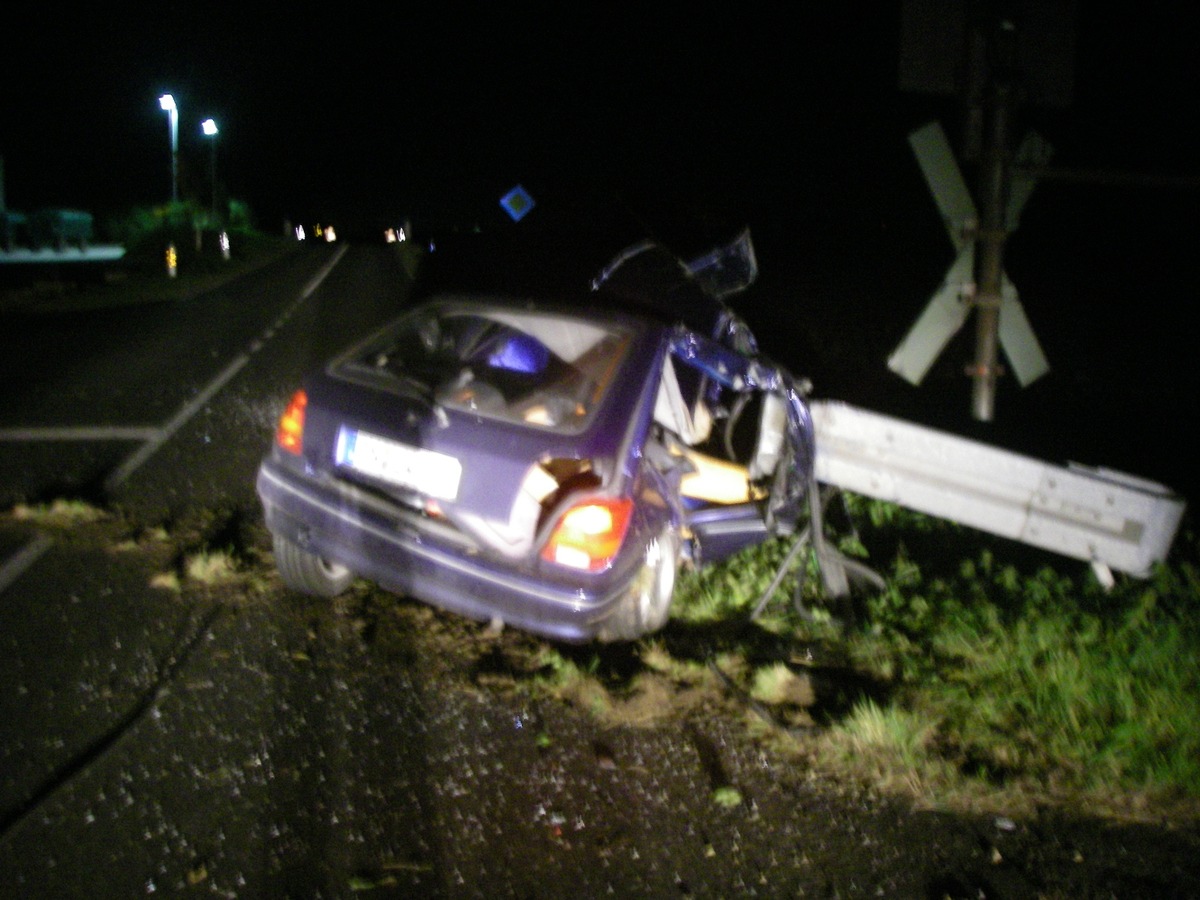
[648, 600]
[308, 573]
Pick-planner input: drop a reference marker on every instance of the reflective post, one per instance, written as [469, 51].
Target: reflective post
[210, 129]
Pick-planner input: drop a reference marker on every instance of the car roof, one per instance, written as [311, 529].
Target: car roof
[532, 264]
[649, 279]
[572, 269]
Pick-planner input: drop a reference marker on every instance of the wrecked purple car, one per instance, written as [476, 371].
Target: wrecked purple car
[547, 464]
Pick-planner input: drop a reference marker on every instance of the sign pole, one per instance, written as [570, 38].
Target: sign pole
[989, 257]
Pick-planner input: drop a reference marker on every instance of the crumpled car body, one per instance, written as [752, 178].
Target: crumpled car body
[546, 463]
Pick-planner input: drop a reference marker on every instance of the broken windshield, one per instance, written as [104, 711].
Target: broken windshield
[530, 367]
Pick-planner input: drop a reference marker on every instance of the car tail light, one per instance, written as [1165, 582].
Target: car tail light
[289, 436]
[589, 534]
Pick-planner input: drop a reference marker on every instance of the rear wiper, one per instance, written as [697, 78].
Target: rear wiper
[417, 389]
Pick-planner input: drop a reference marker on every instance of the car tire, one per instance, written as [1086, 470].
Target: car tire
[647, 603]
[308, 573]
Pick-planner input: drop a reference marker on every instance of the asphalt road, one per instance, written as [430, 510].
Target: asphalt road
[156, 411]
[85, 392]
[228, 739]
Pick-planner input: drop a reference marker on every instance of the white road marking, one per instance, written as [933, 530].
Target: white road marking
[153, 438]
[81, 433]
[119, 475]
[16, 564]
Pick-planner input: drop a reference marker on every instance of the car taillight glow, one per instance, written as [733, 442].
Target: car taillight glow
[289, 436]
[589, 534]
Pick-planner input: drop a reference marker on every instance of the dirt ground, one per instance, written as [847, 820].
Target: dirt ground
[662, 785]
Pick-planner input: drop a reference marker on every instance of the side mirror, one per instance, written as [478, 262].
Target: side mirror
[728, 269]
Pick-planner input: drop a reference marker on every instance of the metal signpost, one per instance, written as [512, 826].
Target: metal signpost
[995, 59]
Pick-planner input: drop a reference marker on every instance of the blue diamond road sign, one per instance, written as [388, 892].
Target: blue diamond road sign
[517, 203]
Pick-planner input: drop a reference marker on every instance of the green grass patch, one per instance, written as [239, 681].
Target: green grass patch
[211, 566]
[59, 513]
[1003, 667]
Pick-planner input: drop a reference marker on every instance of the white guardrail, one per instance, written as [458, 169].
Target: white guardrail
[1107, 518]
[91, 253]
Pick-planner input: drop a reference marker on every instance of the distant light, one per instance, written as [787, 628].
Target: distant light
[299, 232]
[167, 102]
[209, 126]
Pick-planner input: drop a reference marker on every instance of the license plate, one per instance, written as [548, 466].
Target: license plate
[431, 473]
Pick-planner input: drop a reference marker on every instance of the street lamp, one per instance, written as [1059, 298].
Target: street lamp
[210, 128]
[167, 102]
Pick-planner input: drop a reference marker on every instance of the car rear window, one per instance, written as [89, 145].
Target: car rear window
[536, 368]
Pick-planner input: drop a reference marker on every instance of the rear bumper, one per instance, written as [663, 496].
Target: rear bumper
[407, 554]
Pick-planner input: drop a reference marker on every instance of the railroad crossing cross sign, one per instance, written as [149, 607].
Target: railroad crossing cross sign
[950, 305]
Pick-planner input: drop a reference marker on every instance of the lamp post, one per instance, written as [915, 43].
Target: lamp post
[210, 128]
[167, 102]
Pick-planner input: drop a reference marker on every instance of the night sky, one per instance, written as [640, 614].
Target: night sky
[434, 110]
[790, 118]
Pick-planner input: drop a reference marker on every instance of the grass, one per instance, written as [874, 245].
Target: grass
[1008, 674]
[58, 513]
[211, 566]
